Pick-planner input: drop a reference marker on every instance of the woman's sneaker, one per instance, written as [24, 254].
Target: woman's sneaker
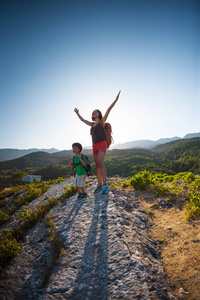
[105, 189]
[83, 195]
[98, 188]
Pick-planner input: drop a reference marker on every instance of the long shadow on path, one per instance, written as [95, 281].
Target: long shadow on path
[25, 289]
[72, 215]
[92, 278]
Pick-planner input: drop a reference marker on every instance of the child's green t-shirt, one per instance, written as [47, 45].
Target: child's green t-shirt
[80, 170]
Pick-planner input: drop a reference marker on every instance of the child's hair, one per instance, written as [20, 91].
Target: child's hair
[100, 115]
[77, 145]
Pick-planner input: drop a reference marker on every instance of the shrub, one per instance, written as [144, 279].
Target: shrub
[195, 186]
[17, 176]
[7, 192]
[187, 177]
[4, 218]
[69, 191]
[141, 180]
[60, 179]
[193, 207]
[26, 215]
[125, 184]
[9, 247]
[149, 211]
[160, 189]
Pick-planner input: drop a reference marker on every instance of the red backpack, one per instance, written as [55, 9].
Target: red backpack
[108, 130]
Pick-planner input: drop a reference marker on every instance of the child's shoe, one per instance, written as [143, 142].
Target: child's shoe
[83, 195]
[105, 189]
[98, 188]
[79, 195]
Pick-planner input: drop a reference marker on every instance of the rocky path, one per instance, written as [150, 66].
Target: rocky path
[108, 254]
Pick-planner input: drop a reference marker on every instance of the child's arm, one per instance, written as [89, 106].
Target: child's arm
[81, 159]
[70, 162]
[110, 107]
[81, 118]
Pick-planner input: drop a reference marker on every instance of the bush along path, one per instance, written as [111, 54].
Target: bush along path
[95, 248]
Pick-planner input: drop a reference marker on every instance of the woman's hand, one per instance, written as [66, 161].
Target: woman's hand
[76, 110]
[117, 96]
[81, 118]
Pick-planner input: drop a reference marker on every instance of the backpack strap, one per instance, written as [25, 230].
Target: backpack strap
[75, 163]
[102, 123]
[78, 163]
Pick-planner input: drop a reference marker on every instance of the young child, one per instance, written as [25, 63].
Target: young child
[99, 144]
[79, 162]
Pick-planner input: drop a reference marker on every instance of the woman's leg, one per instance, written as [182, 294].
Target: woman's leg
[100, 168]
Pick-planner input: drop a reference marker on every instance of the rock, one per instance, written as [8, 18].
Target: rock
[181, 291]
[106, 253]
[164, 203]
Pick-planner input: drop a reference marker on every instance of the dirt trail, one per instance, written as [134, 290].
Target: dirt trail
[108, 254]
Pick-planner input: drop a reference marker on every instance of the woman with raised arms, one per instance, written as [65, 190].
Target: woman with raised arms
[99, 144]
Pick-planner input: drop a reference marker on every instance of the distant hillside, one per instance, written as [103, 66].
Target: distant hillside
[174, 157]
[176, 144]
[8, 154]
[191, 135]
[178, 149]
[37, 159]
[177, 156]
[149, 144]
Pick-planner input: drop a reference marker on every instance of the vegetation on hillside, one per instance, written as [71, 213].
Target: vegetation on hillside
[22, 195]
[170, 187]
[10, 241]
[171, 158]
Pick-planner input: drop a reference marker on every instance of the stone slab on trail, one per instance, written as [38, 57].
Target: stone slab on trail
[108, 254]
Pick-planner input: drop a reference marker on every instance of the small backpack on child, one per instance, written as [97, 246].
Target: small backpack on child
[88, 167]
[108, 130]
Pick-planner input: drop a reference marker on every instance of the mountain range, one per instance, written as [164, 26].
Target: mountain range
[11, 154]
[148, 144]
[8, 154]
[173, 157]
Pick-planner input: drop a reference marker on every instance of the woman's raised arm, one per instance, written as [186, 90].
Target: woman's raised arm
[81, 118]
[110, 107]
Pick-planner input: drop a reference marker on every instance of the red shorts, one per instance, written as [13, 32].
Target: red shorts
[101, 146]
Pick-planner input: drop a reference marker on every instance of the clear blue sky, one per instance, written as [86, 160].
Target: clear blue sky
[58, 55]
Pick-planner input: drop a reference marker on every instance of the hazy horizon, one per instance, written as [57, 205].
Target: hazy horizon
[112, 146]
